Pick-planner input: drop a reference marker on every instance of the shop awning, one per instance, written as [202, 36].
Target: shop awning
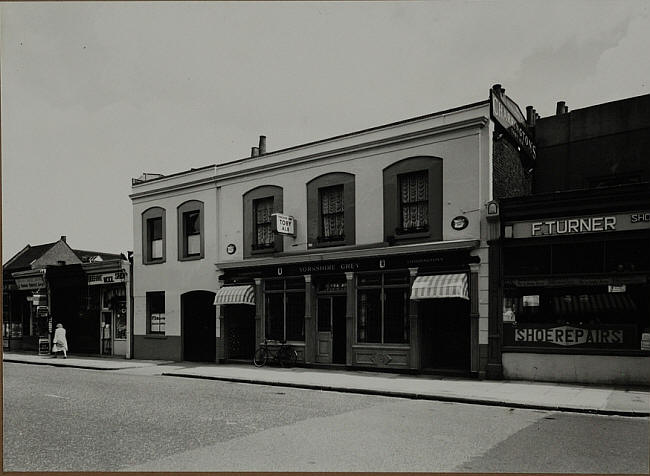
[235, 295]
[593, 303]
[440, 286]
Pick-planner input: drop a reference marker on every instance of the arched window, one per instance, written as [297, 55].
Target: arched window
[190, 230]
[330, 210]
[413, 200]
[259, 204]
[153, 236]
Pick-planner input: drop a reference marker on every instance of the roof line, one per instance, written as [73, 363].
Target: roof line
[320, 141]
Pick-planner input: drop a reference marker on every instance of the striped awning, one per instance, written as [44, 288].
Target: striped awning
[593, 303]
[235, 295]
[440, 286]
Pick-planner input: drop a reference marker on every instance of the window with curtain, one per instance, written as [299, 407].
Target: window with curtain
[262, 211]
[332, 213]
[414, 202]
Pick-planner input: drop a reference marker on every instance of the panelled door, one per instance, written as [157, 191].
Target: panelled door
[331, 345]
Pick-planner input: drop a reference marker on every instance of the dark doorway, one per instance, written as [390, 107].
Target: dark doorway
[199, 326]
[240, 331]
[445, 334]
[339, 334]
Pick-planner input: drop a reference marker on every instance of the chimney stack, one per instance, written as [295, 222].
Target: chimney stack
[255, 152]
[262, 148]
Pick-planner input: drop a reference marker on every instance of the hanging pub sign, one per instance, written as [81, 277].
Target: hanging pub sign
[283, 224]
[505, 112]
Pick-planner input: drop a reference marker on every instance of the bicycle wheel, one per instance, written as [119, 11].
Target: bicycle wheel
[260, 357]
[287, 357]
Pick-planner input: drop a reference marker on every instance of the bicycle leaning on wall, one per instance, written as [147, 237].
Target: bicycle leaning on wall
[284, 354]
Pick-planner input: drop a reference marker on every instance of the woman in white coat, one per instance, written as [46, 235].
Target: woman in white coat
[60, 342]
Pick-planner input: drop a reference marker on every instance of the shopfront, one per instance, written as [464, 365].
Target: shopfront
[392, 309]
[576, 298]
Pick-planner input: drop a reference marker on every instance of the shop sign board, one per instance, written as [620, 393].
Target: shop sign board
[552, 335]
[30, 284]
[283, 224]
[107, 278]
[578, 225]
[505, 112]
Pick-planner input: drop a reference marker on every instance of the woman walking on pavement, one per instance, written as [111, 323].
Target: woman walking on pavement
[60, 342]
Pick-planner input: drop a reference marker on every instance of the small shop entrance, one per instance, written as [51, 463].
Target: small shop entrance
[199, 326]
[332, 330]
[239, 322]
[445, 335]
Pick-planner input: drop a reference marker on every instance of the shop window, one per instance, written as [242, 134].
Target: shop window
[603, 316]
[285, 309]
[190, 231]
[413, 199]
[156, 312]
[330, 210]
[382, 315]
[153, 236]
[259, 204]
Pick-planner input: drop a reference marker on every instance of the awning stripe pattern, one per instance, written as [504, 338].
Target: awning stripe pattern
[235, 295]
[440, 286]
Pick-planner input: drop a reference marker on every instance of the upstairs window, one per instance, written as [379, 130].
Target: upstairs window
[263, 236]
[330, 210]
[332, 205]
[154, 226]
[190, 231]
[153, 236]
[260, 204]
[414, 202]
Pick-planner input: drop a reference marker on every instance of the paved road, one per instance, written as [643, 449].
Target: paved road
[64, 419]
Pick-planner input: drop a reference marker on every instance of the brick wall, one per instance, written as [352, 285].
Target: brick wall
[509, 177]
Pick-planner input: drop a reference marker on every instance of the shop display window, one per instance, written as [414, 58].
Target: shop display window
[285, 309]
[382, 314]
[156, 312]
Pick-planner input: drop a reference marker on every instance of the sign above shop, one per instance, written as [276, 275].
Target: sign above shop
[580, 225]
[107, 278]
[505, 112]
[459, 223]
[31, 283]
[283, 224]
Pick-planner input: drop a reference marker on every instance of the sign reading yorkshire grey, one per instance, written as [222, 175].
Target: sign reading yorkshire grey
[506, 113]
[539, 335]
[107, 278]
[283, 224]
[581, 224]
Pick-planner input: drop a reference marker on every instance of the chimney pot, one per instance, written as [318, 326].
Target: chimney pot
[262, 145]
[255, 152]
[559, 109]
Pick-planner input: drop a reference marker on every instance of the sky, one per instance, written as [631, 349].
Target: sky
[94, 94]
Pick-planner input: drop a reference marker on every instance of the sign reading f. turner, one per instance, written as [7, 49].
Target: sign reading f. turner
[283, 224]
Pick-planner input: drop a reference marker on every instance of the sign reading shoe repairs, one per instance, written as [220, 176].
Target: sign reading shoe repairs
[548, 335]
[577, 225]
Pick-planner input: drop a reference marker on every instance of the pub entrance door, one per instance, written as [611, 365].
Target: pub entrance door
[445, 335]
[332, 332]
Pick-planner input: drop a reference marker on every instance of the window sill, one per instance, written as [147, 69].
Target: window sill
[190, 258]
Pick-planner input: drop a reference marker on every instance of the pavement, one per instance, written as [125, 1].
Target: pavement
[581, 398]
